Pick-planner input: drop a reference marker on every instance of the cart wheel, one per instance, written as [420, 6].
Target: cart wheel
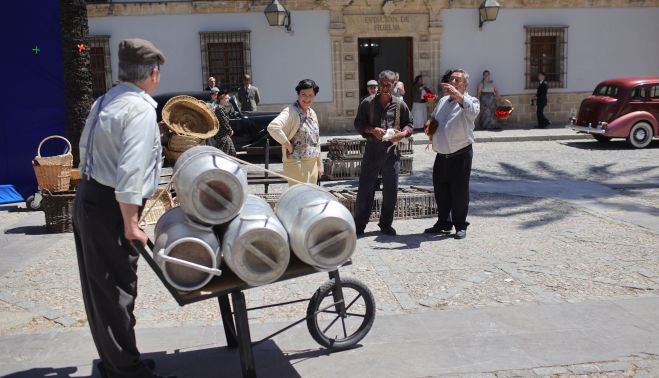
[337, 324]
[33, 202]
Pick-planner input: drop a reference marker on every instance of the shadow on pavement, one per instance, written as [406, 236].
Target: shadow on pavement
[613, 145]
[28, 230]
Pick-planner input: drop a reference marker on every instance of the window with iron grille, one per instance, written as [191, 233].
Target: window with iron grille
[226, 57]
[99, 54]
[546, 51]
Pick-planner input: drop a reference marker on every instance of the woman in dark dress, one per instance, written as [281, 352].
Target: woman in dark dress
[222, 139]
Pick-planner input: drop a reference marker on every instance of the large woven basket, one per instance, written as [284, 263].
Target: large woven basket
[171, 156]
[58, 208]
[182, 143]
[185, 115]
[53, 172]
[156, 206]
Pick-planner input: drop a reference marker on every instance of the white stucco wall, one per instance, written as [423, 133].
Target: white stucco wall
[601, 43]
[279, 59]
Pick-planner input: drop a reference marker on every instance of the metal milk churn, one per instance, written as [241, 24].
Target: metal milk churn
[210, 188]
[321, 230]
[255, 244]
[186, 252]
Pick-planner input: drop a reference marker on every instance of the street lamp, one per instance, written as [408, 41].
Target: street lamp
[487, 11]
[278, 15]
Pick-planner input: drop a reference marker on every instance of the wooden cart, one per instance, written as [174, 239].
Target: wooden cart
[339, 314]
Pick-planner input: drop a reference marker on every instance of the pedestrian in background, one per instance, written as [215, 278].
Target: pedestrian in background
[120, 156]
[455, 114]
[212, 103]
[248, 95]
[222, 140]
[375, 116]
[419, 108]
[371, 88]
[398, 90]
[296, 129]
[487, 95]
[541, 101]
[210, 83]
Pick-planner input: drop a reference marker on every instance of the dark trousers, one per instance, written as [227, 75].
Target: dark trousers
[450, 179]
[377, 159]
[542, 120]
[108, 276]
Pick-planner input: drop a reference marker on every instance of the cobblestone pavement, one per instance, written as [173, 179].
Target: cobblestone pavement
[541, 246]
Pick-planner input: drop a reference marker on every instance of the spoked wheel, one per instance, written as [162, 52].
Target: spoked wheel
[340, 316]
[640, 135]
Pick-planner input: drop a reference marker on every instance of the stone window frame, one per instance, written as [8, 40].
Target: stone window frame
[102, 41]
[225, 37]
[556, 77]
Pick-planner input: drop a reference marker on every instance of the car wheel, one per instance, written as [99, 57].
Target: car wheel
[602, 138]
[640, 135]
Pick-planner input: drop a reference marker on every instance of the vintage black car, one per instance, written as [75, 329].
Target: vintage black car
[249, 129]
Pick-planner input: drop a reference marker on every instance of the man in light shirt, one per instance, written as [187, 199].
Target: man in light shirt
[455, 114]
[120, 157]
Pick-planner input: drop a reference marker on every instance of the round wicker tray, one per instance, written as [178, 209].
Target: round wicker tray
[185, 115]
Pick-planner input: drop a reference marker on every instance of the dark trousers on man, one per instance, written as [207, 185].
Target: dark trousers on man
[108, 276]
[540, 114]
[450, 179]
[377, 159]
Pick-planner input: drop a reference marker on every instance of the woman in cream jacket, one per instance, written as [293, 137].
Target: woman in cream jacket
[296, 129]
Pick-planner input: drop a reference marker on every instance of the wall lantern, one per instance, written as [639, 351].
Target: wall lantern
[278, 15]
[487, 11]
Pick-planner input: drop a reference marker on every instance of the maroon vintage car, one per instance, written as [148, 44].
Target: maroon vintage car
[626, 107]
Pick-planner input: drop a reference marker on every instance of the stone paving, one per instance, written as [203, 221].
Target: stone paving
[522, 248]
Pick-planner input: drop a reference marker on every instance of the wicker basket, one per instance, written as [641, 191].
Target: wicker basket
[185, 115]
[504, 109]
[58, 208]
[350, 169]
[171, 156]
[156, 206]
[75, 178]
[182, 143]
[53, 172]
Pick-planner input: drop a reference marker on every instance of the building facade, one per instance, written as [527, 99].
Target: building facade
[342, 44]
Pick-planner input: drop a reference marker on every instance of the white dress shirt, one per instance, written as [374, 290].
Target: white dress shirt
[455, 129]
[125, 144]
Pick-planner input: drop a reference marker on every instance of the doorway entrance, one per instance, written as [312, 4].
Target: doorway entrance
[391, 53]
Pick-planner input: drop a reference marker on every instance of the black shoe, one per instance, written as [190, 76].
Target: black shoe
[461, 234]
[437, 229]
[388, 230]
[151, 364]
[359, 231]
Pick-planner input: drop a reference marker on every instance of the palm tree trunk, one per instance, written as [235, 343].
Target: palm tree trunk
[77, 69]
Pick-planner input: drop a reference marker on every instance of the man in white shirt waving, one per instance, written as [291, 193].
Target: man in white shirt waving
[455, 114]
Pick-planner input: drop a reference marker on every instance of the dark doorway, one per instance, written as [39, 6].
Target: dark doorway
[377, 54]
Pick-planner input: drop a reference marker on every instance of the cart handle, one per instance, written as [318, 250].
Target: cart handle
[161, 256]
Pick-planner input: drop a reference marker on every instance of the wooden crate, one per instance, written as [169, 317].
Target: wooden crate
[350, 148]
[350, 169]
[412, 203]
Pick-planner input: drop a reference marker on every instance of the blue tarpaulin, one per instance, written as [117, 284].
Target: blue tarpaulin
[32, 98]
[8, 194]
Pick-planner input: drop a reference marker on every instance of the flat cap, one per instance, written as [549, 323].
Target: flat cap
[372, 83]
[139, 51]
[215, 90]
